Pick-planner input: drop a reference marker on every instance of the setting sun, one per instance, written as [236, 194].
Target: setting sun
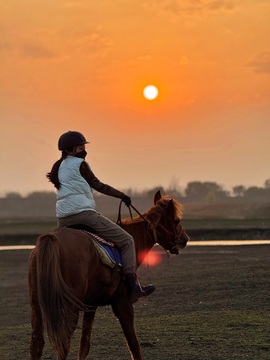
[150, 92]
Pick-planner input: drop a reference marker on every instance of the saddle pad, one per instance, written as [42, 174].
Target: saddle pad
[109, 254]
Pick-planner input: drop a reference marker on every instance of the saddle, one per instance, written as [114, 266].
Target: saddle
[109, 254]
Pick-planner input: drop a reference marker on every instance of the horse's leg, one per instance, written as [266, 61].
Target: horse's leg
[37, 338]
[88, 320]
[125, 313]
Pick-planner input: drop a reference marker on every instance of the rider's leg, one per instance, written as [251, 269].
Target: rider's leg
[110, 231]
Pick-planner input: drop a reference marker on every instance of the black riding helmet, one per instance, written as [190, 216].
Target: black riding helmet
[71, 139]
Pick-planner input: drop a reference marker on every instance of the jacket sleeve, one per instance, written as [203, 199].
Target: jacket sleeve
[94, 182]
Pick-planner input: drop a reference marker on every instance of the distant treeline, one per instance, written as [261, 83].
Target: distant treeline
[206, 195]
[195, 191]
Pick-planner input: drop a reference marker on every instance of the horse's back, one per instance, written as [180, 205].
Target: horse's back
[73, 239]
[75, 242]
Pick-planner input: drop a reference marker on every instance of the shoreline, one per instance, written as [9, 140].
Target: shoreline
[191, 243]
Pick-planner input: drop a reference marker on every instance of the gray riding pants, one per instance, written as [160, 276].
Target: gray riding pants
[109, 231]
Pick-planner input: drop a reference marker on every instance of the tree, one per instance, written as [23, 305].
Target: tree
[267, 184]
[255, 193]
[13, 195]
[239, 190]
[174, 188]
[205, 191]
[41, 195]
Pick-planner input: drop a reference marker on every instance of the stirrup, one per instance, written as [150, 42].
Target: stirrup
[139, 291]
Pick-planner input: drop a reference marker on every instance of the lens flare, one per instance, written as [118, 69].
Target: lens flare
[153, 258]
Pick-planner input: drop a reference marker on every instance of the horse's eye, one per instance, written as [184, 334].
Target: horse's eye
[177, 221]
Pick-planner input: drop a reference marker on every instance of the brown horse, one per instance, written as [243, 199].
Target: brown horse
[66, 276]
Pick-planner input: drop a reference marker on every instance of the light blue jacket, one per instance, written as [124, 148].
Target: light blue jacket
[75, 195]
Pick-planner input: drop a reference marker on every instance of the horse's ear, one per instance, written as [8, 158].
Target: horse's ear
[171, 206]
[157, 197]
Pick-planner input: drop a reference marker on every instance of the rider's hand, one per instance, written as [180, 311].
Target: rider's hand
[127, 200]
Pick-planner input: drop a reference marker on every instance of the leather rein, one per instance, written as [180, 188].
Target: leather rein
[151, 226]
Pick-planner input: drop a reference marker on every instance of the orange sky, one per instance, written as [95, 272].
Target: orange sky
[82, 65]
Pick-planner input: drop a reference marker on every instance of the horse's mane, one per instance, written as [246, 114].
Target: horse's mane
[158, 208]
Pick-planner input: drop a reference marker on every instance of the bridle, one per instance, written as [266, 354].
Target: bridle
[154, 228]
[176, 234]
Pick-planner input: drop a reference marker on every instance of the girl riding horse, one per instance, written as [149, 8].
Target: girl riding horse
[74, 182]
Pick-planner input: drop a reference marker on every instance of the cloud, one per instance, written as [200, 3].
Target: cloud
[261, 63]
[37, 51]
[192, 7]
[221, 5]
[141, 60]
[93, 43]
[173, 6]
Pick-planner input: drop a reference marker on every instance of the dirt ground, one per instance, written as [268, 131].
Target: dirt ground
[211, 303]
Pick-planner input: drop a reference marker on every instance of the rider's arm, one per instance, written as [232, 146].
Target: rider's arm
[94, 182]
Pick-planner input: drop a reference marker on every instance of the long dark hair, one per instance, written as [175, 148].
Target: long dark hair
[53, 174]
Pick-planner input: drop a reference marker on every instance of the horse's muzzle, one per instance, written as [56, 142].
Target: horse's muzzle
[183, 240]
[175, 250]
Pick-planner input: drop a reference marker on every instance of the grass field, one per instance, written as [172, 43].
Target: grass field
[210, 304]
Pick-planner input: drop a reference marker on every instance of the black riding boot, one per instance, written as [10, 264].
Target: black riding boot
[135, 289]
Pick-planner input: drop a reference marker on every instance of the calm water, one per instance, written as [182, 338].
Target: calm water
[191, 243]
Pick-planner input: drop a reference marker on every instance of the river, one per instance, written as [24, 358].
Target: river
[191, 243]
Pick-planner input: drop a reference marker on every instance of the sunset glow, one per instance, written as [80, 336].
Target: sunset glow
[83, 65]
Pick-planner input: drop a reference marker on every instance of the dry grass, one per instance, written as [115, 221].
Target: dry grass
[210, 304]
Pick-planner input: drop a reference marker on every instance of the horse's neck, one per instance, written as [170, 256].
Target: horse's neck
[142, 235]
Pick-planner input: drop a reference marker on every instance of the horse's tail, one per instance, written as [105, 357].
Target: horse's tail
[55, 298]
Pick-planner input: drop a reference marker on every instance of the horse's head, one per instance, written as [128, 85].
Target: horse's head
[166, 217]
